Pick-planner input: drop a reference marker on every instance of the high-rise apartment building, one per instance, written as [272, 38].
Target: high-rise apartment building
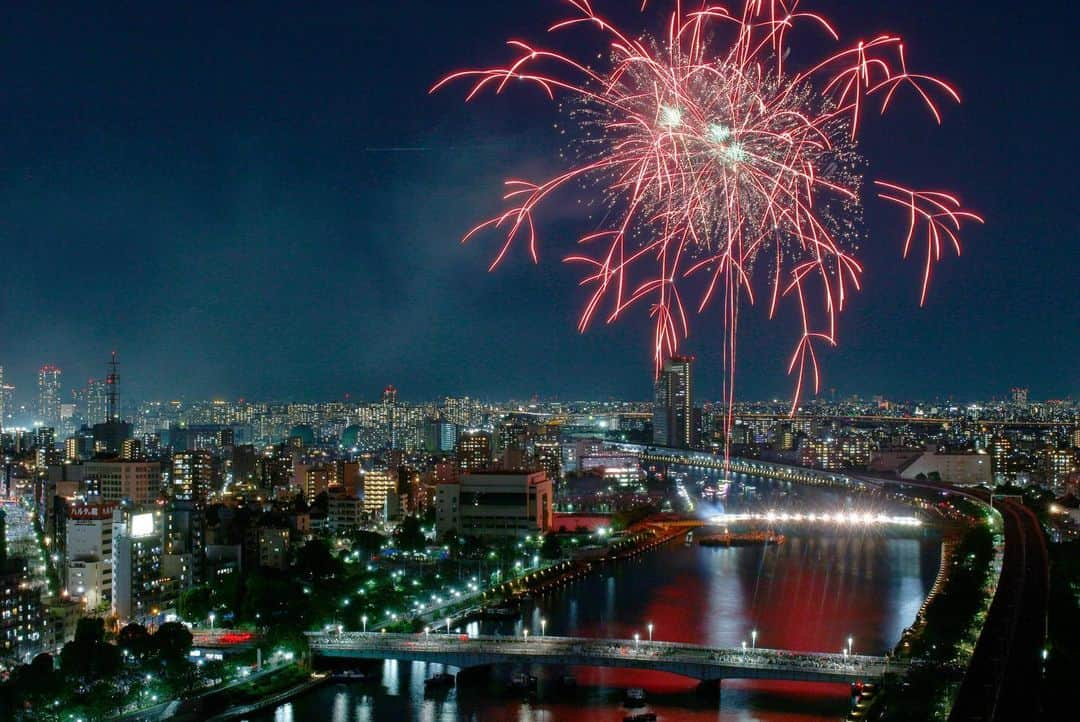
[49, 395]
[192, 475]
[473, 450]
[1020, 396]
[1000, 449]
[673, 407]
[377, 485]
[7, 402]
[185, 540]
[96, 400]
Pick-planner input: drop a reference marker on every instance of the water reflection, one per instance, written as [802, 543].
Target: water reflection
[810, 593]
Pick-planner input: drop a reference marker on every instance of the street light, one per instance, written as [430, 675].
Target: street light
[211, 620]
[543, 627]
[637, 638]
[525, 632]
[650, 631]
[426, 630]
[363, 620]
[850, 641]
[753, 639]
[448, 625]
[744, 645]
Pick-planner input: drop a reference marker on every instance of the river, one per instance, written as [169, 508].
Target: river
[809, 594]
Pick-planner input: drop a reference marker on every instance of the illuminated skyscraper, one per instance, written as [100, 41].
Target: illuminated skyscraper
[673, 407]
[96, 399]
[49, 395]
[1020, 396]
[1000, 449]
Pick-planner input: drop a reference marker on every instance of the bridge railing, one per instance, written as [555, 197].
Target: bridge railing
[597, 648]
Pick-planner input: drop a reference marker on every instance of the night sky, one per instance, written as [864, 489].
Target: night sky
[212, 189]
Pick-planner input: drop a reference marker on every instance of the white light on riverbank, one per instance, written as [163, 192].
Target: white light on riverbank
[846, 518]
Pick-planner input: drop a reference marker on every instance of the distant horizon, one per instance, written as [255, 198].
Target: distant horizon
[26, 395]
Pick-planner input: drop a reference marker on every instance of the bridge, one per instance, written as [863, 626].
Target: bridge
[716, 462]
[707, 664]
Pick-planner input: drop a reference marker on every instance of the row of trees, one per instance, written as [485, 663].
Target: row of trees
[924, 693]
[96, 678]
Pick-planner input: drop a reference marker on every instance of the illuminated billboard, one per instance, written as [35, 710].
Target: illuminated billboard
[142, 525]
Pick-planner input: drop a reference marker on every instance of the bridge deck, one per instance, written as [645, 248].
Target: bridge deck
[704, 663]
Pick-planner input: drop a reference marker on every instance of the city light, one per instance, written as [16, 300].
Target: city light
[844, 518]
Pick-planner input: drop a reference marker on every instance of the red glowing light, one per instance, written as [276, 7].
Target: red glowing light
[235, 638]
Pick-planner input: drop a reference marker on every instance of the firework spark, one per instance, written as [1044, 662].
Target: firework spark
[711, 156]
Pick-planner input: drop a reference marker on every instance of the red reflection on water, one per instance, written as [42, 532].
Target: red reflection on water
[807, 595]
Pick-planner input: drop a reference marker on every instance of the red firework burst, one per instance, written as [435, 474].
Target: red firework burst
[712, 157]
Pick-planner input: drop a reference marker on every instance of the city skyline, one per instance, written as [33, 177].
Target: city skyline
[289, 230]
[91, 392]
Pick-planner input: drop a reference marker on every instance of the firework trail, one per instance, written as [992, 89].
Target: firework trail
[712, 158]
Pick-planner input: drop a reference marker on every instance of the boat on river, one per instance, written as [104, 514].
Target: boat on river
[742, 539]
[640, 717]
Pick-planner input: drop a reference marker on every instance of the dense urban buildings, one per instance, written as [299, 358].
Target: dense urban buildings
[132, 520]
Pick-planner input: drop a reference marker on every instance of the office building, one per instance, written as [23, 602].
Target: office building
[616, 467]
[139, 585]
[138, 482]
[88, 546]
[440, 436]
[495, 503]
[962, 468]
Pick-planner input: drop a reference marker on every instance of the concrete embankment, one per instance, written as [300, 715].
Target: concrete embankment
[238, 711]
